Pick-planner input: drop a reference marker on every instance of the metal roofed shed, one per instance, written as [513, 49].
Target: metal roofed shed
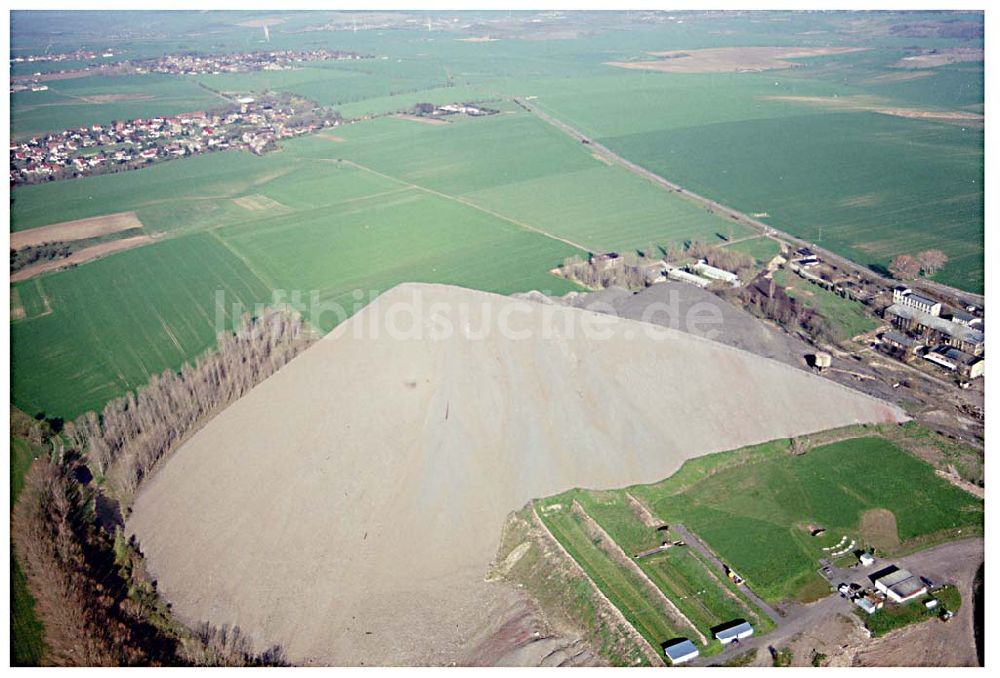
[900, 585]
[866, 605]
[735, 632]
[680, 651]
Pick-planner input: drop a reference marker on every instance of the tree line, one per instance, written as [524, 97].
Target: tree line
[764, 298]
[92, 594]
[636, 270]
[133, 432]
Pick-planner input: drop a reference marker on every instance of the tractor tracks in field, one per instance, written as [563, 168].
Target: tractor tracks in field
[467, 203]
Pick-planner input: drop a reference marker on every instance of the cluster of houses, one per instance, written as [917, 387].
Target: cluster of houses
[27, 86]
[77, 55]
[953, 340]
[122, 145]
[202, 64]
[176, 64]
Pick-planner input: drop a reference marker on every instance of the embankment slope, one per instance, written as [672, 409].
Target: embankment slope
[348, 507]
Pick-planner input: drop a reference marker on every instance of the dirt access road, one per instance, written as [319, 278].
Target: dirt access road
[740, 217]
[932, 643]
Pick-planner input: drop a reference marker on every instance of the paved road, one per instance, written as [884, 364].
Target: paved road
[696, 543]
[740, 217]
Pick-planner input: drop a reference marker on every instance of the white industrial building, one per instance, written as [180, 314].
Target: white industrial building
[735, 632]
[900, 585]
[702, 268]
[906, 297]
[680, 651]
[690, 278]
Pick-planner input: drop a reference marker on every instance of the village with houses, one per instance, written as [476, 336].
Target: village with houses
[183, 63]
[252, 123]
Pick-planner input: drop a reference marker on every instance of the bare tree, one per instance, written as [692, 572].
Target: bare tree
[904, 267]
[135, 431]
[932, 261]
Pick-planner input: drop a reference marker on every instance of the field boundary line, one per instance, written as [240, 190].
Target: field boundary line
[744, 603]
[82, 256]
[620, 555]
[696, 542]
[246, 262]
[607, 604]
[469, 203]
[648, 517]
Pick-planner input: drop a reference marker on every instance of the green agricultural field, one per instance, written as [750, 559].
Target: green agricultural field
[108, 325]
[535, 176]
[101, 99]
[202, 178]
[762, 249]
[706, 598]
[849, 317]
[865, 185]
[374, 243]
[753, 506]
[283, 223]
[617, 583]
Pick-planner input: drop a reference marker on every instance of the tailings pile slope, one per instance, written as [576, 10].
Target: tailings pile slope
[348, 507]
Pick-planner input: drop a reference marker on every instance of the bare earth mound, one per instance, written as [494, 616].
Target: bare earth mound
[730, 59]
[349, 506]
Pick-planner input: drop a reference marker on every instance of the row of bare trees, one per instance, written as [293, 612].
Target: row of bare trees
[766, 299]
[721, 257]
[78, 597]
[133, 432]
[628, 270]
[633, 271]
[97, 605]
[90, 590]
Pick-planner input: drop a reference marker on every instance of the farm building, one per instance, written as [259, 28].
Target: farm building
[680, 651]
[605, 260]
[968, 366]
[866, 559]
[900, 345]
[936, 329]
[900, 585]
[807, 261]
[906, 297]
[734, 632]
[690, 278]
[967, 319]
[702, 268]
